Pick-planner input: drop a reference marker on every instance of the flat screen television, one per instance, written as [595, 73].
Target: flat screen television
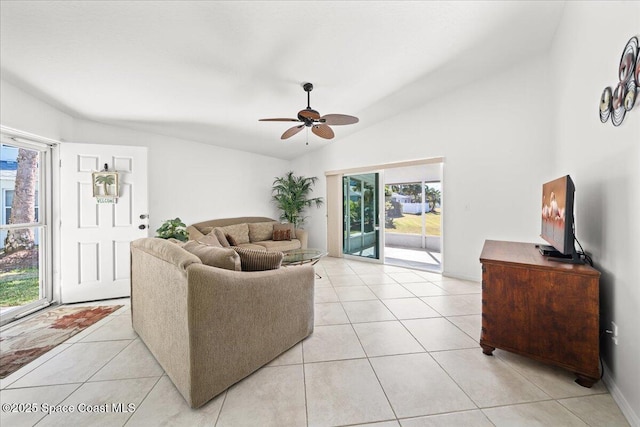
[557, 220]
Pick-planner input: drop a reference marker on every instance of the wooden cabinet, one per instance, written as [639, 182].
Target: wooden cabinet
[542, 309]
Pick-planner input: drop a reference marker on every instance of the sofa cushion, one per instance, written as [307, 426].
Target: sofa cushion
[209, 240]
[239, 232]
[283, 245]
[252, 260]
[254, 246]
[231, 240]
[214, 256]
[221, 237]
[286, 226]
[176, 241]
[206, 230]
[259, 231]
[279, 235]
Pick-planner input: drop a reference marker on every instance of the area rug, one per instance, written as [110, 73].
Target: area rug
[24, 342]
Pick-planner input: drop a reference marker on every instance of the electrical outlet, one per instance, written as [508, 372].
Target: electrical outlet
[614, 332]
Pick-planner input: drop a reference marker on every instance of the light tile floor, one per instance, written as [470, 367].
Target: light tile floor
[391, 347]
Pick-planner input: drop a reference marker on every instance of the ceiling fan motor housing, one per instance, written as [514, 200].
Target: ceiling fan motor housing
[308, 115]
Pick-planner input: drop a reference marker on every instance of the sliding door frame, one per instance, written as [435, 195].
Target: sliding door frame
[379, 198]
[335, 229]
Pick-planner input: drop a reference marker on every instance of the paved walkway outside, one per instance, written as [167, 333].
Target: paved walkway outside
[413, 258]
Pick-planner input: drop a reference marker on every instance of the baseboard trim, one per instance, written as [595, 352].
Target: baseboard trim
[619, 398]
[459, 276]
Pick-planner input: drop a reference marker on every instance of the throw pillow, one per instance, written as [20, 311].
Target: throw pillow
[252, 260]
[240, 232]
[231, 240]
[209, 240]
[287, 226]
[279, 235]
[260, 231]
[215, 257]
[221, 237]
[176, 241]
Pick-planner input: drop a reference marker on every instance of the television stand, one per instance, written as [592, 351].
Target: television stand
[555, 255]
[544, 310]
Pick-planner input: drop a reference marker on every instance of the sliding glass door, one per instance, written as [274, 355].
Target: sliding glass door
[25, 282]
[361, 215]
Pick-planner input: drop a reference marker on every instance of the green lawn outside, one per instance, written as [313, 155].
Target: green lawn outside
[412, 224]
[18, 287]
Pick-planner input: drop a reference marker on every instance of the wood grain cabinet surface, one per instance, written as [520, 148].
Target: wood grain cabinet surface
[542, 309]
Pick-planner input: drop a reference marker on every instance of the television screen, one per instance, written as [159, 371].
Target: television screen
[557, 214]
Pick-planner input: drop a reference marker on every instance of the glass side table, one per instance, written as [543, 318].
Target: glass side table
[303, 256]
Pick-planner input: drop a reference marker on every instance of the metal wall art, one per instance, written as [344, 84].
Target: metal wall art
[616, 103]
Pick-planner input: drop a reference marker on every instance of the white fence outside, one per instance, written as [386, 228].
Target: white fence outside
[415, 208]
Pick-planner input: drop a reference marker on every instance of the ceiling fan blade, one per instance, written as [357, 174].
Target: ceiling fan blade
[278, 120]
[338, 119]
[309, 114]
[291, 131]
[323, 131]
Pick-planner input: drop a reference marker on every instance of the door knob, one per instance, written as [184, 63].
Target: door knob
[144, 216]
[142, 226]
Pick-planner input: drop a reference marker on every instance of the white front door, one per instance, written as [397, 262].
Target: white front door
[95, 236]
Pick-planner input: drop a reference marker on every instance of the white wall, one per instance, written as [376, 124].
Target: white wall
[195, 181]
[604, 162]
[27, 113]
[187, 179]
[495, 136]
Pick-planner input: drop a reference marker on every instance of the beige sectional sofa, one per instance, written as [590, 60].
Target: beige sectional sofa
[210, 327]
[252, 232]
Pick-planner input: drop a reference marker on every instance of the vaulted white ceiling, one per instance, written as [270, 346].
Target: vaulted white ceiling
[208, 70]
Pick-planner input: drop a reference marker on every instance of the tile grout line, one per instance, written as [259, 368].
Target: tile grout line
[367, 357]
[425, 352]
[109, 361]
[224, 400]
[304, 381]
[143, 399]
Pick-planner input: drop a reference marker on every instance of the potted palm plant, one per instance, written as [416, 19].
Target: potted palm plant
[290, 194]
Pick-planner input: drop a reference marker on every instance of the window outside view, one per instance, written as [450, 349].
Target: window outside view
[413, 216]
[19, 253]
[403, 208]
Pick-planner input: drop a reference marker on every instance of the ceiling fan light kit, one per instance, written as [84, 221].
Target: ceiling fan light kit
[310, 118]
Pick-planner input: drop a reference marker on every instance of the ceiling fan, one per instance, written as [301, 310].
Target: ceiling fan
[311, 118]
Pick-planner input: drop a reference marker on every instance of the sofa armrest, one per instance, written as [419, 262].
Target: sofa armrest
[240, 321]
[159, 304]
[303, 236]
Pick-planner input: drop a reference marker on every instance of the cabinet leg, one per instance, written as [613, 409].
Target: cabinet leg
[487, 349]
[585, 381]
